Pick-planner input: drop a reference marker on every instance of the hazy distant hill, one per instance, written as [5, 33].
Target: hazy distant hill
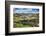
[26, 14]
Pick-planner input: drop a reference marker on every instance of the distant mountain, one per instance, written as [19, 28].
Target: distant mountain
[24, 14]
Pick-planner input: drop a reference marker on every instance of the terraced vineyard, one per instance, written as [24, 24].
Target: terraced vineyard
[26, 20]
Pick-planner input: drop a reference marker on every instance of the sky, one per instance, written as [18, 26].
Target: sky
[26, 10]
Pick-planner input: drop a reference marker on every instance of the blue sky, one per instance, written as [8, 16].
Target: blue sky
[26, 10]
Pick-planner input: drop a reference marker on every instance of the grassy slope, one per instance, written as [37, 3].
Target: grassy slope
[17, 19]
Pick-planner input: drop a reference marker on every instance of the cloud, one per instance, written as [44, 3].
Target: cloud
[26, 10]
